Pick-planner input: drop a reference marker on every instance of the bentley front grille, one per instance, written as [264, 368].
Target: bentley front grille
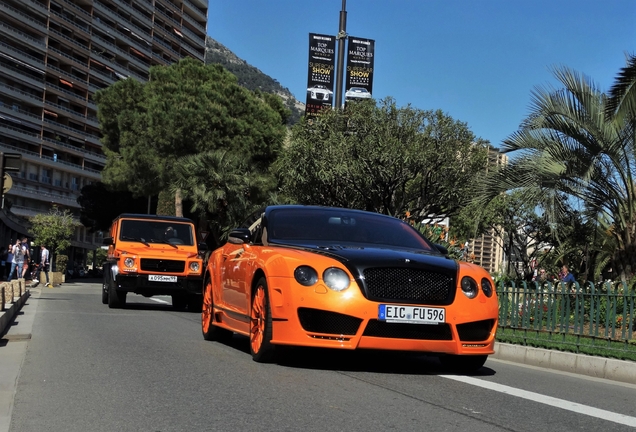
[409, 285]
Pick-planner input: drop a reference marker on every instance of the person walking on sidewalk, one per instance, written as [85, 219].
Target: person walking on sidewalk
[44, 264]
[27, 256]
[18, 260]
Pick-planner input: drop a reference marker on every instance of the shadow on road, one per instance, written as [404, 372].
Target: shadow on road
[376, 361]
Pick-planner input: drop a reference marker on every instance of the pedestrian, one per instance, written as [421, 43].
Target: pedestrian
[566, 276]
[44, 264]
[3, 263]
[27, 255]
[9, 261]
[18, 260]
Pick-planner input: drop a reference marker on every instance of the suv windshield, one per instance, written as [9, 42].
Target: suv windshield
[145, 231]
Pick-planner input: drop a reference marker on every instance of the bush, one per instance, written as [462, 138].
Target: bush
[61, 261]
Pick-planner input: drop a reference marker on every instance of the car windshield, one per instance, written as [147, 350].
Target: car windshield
[341, 226]
[149, 231]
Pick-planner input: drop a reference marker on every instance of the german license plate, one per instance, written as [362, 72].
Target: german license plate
[411, 314]
[162, 278]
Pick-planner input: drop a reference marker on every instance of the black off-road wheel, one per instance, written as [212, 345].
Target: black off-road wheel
[116, 298]
[104, 293]
[179, 301]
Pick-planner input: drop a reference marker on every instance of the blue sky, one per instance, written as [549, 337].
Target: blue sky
[476, 60]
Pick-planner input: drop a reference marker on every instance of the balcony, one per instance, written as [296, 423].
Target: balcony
[35, 63]
[77, 9]
[194, 22]
[68, 75]
[75, 61]
[20, 114]
[11, 71]
[68, 39]
[107, 45]
[37, 43]
[48, 197]
[5, 9]
[74, 25]
[193, 51]
[21, 95]
[19, 134]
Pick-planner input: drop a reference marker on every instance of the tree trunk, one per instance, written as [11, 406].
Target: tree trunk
[178, 204]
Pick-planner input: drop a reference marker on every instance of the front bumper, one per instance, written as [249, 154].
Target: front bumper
[139, 284]
[319, 317]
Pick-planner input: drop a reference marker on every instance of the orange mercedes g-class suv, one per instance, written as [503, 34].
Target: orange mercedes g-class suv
[153, 255]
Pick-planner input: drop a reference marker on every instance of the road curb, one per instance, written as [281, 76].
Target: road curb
[598, 367]
[8, 315]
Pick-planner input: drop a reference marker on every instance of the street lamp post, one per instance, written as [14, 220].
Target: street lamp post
[342, 36]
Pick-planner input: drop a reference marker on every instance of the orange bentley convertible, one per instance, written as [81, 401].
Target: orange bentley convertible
[347, 279]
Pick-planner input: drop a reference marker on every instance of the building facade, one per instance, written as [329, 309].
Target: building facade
[54, 56]
[488, 248]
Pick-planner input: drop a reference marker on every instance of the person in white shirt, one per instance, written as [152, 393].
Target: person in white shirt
[44, 263]
[18, 260]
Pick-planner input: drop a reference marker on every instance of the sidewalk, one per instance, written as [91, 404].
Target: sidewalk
[16, 323]
[598, 367]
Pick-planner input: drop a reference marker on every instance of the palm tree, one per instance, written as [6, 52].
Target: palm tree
[622, 96]
[569, 151]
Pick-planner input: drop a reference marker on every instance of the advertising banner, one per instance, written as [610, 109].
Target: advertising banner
[359, 75]
[320, 79]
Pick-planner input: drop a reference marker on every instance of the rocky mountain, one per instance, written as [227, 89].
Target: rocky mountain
[250, 77]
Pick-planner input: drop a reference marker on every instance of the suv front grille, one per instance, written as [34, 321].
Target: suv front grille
[409, 285]
[162, 266]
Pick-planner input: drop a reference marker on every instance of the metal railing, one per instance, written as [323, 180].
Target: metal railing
[579, 317]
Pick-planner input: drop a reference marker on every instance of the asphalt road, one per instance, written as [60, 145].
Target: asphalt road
[89, 368]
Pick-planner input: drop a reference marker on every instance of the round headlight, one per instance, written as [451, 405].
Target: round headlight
[129, 262]
[305, 275]
[194, 266]
[469, 287]
[486, 287]
[336, 279]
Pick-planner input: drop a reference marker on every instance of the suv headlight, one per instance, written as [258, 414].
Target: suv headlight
[194, 266]
[129, 262]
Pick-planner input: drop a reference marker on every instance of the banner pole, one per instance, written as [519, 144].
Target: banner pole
[342, 36]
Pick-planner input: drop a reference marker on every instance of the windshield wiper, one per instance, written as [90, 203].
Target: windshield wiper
[164, 242]
[137, 239]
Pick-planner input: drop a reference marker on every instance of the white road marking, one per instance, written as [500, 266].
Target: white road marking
[548, 400]
[159, 300]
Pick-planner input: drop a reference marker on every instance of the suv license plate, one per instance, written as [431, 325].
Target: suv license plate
[162, 278]
[411, 314]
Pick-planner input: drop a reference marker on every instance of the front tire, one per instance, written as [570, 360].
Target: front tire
[210, 331]
[104, 293]
[116, 298]
[463, 363]
[263, 351]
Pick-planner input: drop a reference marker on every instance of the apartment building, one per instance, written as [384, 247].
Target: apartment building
[487, 248]
[54, 56]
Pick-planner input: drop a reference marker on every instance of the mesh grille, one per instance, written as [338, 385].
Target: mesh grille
[409, 285]
[319, 321]
[162, 266]
[475, 331]
[408, 331]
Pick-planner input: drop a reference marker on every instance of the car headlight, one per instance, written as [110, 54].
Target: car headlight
[469, 287]
[194, 266]
[305, 275]
[129, 262]
[486, 287]
[336, 279]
